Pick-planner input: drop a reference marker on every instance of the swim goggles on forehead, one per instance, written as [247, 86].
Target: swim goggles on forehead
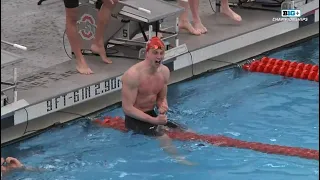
[156, 47]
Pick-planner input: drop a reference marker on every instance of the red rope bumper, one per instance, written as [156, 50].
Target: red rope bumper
[284, 68]
[223, 141]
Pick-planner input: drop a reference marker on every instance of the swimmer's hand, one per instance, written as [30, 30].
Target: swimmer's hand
[13, 162]
[163, 108]
[161, 119]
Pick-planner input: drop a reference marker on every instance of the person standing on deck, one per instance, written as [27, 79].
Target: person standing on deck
[104, 14]
[144, 87]
[198, 28]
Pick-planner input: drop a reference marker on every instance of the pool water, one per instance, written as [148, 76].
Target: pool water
[248, 106]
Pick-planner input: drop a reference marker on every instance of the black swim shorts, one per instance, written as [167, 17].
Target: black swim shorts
[141, 127]
[145, 128]
[75, 3]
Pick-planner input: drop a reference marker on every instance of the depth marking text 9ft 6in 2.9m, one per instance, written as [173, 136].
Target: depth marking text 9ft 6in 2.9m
[83, 94]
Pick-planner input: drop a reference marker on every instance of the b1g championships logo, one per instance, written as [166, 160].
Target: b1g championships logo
[289, 13]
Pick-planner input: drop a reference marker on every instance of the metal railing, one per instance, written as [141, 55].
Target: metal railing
[12, 85]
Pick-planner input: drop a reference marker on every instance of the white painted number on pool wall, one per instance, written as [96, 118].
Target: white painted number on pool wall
[84, 94]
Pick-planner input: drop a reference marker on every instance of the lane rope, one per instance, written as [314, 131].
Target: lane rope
[284, 68]
[117, 123]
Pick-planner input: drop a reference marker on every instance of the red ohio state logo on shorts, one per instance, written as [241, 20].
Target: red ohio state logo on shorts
[87, 26]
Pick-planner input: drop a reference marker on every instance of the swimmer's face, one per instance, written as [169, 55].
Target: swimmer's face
[156, 56]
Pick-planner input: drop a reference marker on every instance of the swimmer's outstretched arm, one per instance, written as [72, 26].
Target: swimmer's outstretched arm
[25, 168]
[33, 169]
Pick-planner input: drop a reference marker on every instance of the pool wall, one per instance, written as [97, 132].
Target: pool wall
[184, 69]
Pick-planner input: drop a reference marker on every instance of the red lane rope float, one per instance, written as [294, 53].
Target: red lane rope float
[284, 68]
[223, 141]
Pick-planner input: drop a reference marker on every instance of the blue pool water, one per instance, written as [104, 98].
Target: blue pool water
[247, 106]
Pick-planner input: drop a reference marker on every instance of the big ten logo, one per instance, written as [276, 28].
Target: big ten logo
[290, 13]
[288, 9]
[87, 27]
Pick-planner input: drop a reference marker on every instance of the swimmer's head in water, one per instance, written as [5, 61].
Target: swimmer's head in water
[155, 51]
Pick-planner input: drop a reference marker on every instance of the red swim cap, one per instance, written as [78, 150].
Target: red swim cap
[155, 43]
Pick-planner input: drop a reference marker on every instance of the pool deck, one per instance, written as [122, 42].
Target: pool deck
[49, 82]
[62, 78]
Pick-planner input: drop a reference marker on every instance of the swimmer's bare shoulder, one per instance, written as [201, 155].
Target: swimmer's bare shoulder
[165, 72]
[131, 76]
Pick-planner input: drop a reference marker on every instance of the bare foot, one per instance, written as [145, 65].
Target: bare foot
[231, 14]
[83, 68]
[101, 51]
[200, 27]
[187, 26]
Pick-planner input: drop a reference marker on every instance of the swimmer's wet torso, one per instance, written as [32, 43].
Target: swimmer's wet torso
[149, 87]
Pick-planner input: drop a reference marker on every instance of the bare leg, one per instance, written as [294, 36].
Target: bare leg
[194, 7]
[98, 43]
[73, 36]
[184, 22]
[225, 9]
[166, 144]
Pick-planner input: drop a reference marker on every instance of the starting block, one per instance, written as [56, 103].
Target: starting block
[131, 25]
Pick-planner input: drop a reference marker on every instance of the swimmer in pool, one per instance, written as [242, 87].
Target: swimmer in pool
[12, 164]
[144, 87]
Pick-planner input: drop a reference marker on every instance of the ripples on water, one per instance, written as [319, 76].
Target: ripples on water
[249, 106]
